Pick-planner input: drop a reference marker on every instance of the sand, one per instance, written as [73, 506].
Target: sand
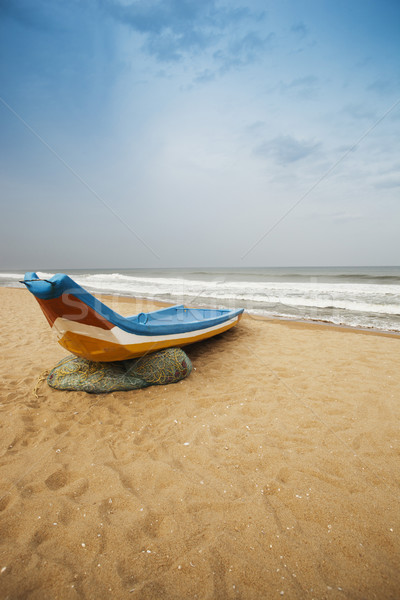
[272, 470]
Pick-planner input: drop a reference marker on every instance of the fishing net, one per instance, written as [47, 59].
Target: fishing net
[166, 366]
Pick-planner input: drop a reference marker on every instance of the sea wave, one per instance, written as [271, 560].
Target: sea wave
[12, 276]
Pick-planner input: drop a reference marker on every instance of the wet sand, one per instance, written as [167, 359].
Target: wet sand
[272, 470]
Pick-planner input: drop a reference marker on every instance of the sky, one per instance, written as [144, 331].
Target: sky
[189, 133]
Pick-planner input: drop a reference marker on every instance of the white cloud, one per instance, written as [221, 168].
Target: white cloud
[285, 149]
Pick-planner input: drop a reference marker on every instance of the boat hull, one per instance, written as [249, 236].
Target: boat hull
[98, 346]
[89, 329]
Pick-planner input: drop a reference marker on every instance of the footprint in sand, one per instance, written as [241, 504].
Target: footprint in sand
[61, 428]
[77, 488]
[4, 501]
[57, 480]
[124, 570]
[41, 534]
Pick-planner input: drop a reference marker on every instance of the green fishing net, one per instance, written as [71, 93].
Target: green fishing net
[166, 366]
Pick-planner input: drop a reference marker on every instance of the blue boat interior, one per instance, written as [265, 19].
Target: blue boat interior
[169, 320]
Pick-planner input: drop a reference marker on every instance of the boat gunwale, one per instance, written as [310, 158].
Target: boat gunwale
[61, 284]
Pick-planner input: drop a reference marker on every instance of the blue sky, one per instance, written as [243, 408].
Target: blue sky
[199, 133]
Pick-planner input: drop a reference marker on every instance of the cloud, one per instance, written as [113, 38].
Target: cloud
[387, 183]
[384, 86]
[205, 76]
[306, 87]
[243, 51]
[286, 149]
[300, 29]
[345, 217]
[256, 127]
[359, 111]
[173, 29]
[339, 217]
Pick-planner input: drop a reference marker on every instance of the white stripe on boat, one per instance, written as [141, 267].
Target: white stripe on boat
[119, 336]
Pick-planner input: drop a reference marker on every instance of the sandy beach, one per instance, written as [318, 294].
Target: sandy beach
[271, 471]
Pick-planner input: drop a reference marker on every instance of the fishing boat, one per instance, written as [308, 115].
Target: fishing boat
[90, 329]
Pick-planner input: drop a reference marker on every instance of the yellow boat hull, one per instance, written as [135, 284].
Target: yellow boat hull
[97, 349]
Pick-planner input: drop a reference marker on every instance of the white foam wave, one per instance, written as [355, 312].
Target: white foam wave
[17, 276]
[348, 297]
[128, 282]
[356, 304]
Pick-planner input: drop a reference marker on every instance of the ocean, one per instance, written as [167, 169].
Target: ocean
[361, 297]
